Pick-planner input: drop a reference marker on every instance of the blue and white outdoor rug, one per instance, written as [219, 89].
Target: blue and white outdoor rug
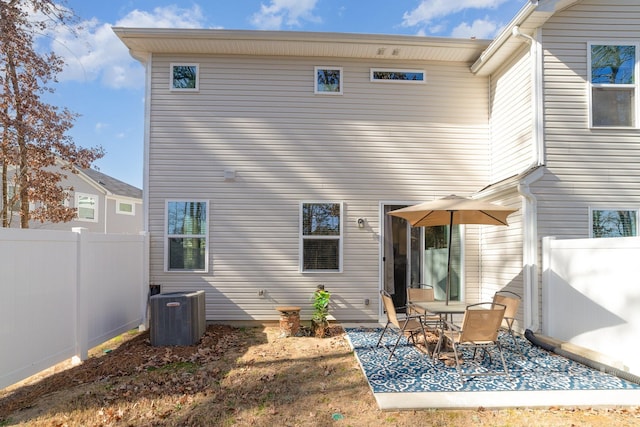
[410, 379]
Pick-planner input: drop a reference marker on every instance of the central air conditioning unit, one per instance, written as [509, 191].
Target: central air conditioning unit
[177, 318]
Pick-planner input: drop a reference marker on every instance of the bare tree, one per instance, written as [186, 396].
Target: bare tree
[35, 151]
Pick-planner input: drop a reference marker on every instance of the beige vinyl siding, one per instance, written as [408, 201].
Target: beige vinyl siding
[122, 223]
[493, 255]
[588, 167]
[379, 142]
[511, 117]
[500, 253]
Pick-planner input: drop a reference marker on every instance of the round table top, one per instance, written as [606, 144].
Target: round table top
[441, 307]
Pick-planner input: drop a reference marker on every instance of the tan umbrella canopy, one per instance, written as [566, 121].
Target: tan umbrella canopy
[453, 210]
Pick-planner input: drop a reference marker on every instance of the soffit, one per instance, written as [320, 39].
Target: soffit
[142, 41]
[533, 15]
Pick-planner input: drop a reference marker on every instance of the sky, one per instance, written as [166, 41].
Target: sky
[104, 85]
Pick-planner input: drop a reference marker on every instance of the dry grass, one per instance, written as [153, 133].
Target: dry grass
[241, 377]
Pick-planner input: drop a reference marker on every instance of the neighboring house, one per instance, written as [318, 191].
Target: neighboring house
[104, 205]
[273, 157]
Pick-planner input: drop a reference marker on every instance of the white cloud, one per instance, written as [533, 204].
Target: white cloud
[92, 51]
[480, 29]
[284, 12]
[428, 10]
[164, 17]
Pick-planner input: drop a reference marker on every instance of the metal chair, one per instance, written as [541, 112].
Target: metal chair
[410, 326]
[479, 329]
[512, 301]
[422, 294]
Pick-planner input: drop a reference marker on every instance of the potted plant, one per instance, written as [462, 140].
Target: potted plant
[320, 302]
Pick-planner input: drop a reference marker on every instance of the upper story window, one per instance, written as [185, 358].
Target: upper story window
[321, 237]
[328, 80]
[184, 77]
[12, 198]
[613, 79]
[614, 223]
[397, 75]
[125, 208]
[186, 235]
[87, 207]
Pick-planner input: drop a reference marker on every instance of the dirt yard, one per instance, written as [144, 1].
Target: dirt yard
[241, 377]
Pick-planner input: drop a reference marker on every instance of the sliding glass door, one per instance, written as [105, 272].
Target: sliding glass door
[415, 256]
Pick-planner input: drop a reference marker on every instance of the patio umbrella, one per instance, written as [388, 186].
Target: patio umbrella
[453, 210]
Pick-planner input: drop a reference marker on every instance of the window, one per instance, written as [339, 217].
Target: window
[393, 75]
[328, 80]
[125, 208]
[186, 242]
[321, 237]
[87, 207]
[613, 84]
[184, 77]
[614, 223]
[11, 193]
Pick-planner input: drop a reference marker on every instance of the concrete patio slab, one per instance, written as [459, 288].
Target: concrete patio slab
[538, 378]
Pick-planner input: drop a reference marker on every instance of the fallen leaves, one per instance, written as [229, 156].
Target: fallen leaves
[240, 376]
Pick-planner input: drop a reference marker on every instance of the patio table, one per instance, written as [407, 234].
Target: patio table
[444, 310]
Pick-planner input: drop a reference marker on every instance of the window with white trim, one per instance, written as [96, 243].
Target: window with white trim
[186, 235]
[613, 84]
[12, 192]
[397, 75]
[184, 77]
[328, 80]
[125, 208]
[613, 223]
[321, 237]
[86, 207]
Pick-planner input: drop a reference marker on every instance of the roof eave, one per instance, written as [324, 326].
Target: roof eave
[144, 41]
[531, 17]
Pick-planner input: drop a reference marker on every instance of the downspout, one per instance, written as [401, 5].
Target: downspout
[530, 255]
[530, 203]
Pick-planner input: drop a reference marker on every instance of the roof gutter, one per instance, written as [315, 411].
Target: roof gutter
[532, 15]
[502, 38]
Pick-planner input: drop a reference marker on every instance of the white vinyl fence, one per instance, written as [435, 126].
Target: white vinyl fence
[591, 296]
[63, 293]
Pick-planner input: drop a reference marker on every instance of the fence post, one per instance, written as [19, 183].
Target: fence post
[82, 312]
[144, 301]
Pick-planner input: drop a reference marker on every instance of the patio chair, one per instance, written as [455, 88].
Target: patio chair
[422, 294]
[410, 326]
[480, 326]
[512, 301]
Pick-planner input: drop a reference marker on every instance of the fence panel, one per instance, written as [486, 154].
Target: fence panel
[64, 292]
[37, 315]
[114, 277]
[591, 296]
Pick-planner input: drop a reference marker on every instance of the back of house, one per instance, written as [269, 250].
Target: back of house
[274, 157]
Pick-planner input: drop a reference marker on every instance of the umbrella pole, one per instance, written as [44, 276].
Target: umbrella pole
[448, 285]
